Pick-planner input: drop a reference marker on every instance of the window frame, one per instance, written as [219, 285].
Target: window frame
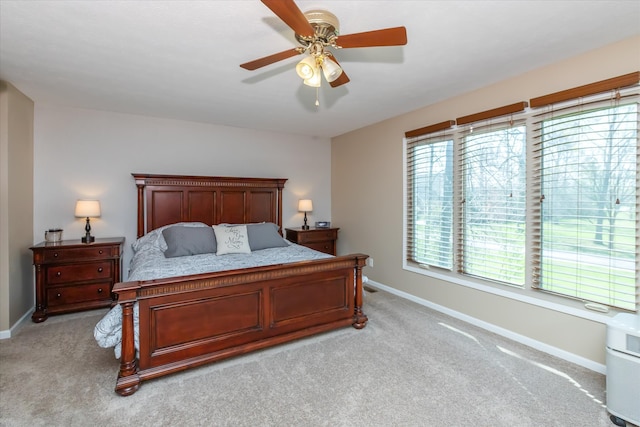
[578, 110]
[411, 220]
[467, 143]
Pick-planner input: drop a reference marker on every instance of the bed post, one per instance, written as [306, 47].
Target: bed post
[128, 380]
[140, 183]
[359, 318]
[279, 216]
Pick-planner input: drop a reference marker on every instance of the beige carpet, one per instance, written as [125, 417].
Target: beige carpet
[410, 366]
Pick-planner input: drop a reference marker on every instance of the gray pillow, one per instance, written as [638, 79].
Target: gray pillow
[264, 235]
[184, 241]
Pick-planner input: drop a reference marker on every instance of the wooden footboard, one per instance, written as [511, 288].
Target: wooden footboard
[192, 320]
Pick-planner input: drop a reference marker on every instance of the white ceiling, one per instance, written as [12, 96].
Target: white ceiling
[180, 59]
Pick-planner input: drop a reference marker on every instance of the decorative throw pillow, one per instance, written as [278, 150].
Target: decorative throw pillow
[265, 235]
[184, 241]
[232, 240]
[155, 239]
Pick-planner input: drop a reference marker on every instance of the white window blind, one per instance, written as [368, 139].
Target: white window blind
[586, 199]
[429, 171]
[491, 240]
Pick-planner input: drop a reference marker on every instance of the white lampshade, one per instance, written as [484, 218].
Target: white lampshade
[87, 208]
[305, 205]
[307, 68]
[331, 69]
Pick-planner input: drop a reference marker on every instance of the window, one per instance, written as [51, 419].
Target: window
[546, 200]
[431, 195]
[588, 197]
[492, 215]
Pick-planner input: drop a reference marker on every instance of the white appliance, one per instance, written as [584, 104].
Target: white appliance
[623, 368]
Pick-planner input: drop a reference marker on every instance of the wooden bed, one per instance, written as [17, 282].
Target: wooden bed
[191, 320]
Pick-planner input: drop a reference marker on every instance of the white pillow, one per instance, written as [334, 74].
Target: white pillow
[232, 240]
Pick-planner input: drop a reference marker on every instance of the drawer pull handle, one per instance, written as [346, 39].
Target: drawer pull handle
[58, 295]
[55, 254]
[99, 269]
[99, 290]
[100, 252]
[59, 273]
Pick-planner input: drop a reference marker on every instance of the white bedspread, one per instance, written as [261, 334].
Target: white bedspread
[149, 263]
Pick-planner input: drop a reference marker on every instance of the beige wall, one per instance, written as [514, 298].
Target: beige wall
[81, 153]
[16, 206]
[367, 176]
[71, 153]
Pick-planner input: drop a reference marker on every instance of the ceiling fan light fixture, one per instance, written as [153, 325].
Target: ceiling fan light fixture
[315, 31]
[314, 81]
[330, 69]
[307, 68]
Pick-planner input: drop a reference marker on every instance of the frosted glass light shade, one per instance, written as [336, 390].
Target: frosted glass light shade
[307, 68]
[305, 205]
[331, 70]
[88, 208]
[314, 81]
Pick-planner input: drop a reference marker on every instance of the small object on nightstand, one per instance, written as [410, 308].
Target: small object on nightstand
[323, 224]
[53, 235]
[319, 239]
[72, 275]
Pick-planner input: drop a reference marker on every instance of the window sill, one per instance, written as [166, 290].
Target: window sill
[528, 296]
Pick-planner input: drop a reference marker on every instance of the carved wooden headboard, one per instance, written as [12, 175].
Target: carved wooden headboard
[168, 199]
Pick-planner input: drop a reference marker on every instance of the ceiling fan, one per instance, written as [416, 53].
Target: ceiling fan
[316, 31]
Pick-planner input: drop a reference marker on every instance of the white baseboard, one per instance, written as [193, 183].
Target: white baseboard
[7, 333]
[522, 339]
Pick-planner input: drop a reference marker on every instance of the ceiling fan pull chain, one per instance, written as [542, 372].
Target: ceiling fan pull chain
[317, 102]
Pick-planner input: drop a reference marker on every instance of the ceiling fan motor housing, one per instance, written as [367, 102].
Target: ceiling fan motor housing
[325, 25]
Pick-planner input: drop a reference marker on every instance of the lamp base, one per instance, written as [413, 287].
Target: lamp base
[88, 238]
[305, 227]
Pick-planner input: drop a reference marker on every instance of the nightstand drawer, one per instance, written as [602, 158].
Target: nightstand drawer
[317, 236]
[58, 255]
[327, 247]
[78, 272]
[64, 295]
[319, 239]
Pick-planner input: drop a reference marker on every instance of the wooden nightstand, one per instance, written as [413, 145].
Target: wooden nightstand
[74, 276]
[320, 239]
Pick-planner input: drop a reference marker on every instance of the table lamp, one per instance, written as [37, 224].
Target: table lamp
[305, 206]
[88, 209]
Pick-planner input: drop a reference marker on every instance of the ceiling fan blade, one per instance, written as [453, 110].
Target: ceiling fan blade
[291, 15]
[343, 79]
[258, 63]
[396, 36]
